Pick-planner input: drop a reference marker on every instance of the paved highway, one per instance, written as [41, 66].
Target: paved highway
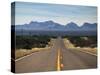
[55, 59]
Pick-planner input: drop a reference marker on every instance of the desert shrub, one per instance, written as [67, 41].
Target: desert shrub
[28, 42]
[90, 41]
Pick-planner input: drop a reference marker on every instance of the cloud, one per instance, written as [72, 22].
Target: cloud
[26, 12]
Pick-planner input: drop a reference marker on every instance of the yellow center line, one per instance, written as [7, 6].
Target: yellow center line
[58, 61]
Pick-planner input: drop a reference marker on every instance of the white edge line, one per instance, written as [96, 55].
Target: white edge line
[88, 53]
[23, 57]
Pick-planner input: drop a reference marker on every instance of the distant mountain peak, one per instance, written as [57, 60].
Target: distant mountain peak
[50, 21]
[89, 26]
[89, 23]
[72, 24]
[32, 22]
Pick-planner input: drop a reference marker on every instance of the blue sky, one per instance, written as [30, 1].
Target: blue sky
[63, 14]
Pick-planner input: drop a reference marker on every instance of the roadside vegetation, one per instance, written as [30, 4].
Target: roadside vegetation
[29, 42]
[26, 45]
[83, 43]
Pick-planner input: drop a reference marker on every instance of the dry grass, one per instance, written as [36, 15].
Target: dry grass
[87, 49]
[68, 44]
[23, 52]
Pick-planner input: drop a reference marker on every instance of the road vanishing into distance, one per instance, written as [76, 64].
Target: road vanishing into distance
[57, 58]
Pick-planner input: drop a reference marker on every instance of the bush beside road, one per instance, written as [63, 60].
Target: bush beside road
[71, 46]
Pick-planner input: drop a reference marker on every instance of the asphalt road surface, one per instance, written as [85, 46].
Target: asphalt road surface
[55, 59]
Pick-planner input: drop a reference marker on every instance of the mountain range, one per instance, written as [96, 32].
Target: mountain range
[50, 25]
[56, 29]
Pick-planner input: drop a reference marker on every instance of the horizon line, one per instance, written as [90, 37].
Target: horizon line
[57, 23]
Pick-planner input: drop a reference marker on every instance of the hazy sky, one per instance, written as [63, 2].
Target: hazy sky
[63, 14]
